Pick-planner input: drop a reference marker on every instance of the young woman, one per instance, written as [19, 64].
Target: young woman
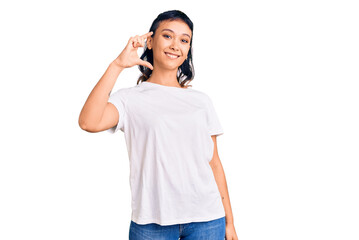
[178, 185]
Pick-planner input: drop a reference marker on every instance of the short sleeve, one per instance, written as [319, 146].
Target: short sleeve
[118, 100]
[214, 125]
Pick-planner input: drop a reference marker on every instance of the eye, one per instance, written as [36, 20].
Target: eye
[165, 35]
[185, 41]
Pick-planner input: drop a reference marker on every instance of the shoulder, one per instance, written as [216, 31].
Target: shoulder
[125, 91]
[203, 96]
[196, 92]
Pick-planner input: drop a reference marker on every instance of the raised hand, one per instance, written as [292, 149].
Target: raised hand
[129, 57]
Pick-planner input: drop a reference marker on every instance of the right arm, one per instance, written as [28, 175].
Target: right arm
[97, 113]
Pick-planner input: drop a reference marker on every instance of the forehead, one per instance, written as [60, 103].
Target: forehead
[179, 27]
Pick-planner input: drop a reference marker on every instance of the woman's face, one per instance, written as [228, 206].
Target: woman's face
[171, 37]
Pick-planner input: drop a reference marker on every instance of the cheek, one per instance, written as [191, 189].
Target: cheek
[187, 49]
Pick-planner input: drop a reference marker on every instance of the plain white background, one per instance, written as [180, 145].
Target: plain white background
[283, 76]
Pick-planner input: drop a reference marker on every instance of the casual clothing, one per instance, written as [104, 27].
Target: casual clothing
[210, 230]
[168, 136]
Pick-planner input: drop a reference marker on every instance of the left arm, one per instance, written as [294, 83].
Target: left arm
[220, 177]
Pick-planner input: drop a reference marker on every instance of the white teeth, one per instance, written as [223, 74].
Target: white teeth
[171, 56]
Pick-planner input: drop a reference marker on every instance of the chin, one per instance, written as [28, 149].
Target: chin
[172, 66]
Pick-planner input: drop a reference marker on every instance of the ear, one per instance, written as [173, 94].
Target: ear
[149, 42]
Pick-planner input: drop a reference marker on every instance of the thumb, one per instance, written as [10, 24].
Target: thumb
[146, 64]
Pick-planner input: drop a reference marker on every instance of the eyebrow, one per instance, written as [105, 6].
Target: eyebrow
[166, 29]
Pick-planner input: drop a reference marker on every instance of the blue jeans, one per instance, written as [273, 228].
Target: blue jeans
[210, 230]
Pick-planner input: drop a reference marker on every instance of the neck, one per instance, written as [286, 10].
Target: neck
[167, 77]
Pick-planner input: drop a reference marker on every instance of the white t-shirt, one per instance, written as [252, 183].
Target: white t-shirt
[168, 136]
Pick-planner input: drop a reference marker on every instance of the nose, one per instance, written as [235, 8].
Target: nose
[174, 45]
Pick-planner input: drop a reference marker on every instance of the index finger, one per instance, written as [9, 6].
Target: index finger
[147, 34]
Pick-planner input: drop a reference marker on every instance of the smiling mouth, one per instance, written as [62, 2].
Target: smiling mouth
[171, 55]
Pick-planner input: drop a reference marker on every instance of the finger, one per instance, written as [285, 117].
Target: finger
[136, 42]
[132, 42]
[139, 41]
[146, 64]
[142, 42]
[147, 34]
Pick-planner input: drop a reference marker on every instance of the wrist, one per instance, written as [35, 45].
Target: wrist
[229, 224]
[229, 221]
[117, 64]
